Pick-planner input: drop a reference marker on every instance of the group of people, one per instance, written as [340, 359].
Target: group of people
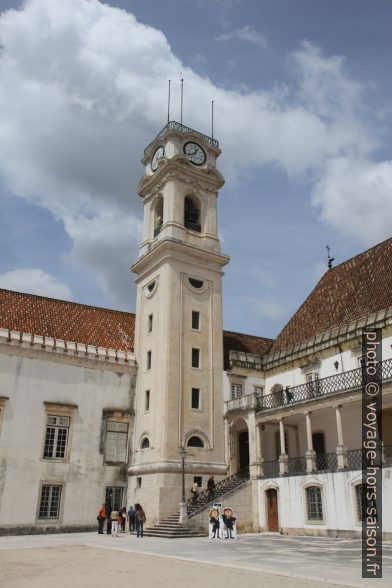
[210, 488]
[117, 518]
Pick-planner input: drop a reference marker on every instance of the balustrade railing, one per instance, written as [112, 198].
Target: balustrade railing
[296, 465]
[183, 129]
[331, 385]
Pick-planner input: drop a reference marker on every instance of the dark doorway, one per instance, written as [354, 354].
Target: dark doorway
[243, 449]
[319, 448]
[272, 511]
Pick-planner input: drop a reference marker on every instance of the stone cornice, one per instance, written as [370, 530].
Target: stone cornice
[175, 467]
[164, 249]
[181, 170]
[39, 345]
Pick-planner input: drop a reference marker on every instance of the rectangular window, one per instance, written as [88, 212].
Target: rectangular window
[138, 482]
[149, 323]
[113, 497]
[259, 390]
[147, 400]
[49, 503]
[56, 437]
[313, 383]
[195, 319]
[195, 398]
[148, 360]
[116, 442]
[236, 391]
[198, 480]
[314, 503]
[195, 357]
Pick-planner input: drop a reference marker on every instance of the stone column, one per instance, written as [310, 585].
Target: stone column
[310, 453]
[227, 446]
[254, 443]
[341, 450]
[283, 457]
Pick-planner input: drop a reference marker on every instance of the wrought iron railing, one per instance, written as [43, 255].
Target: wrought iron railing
[226, 485]
[183, 129]
[331, 385]
[354, 459]
[271, 469]
[326, 462]
[296, 465]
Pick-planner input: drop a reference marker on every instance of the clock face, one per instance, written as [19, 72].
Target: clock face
[195, 153]
[159, 152]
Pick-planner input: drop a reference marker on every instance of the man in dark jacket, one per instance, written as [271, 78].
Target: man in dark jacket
[131, 519]
[211, 488]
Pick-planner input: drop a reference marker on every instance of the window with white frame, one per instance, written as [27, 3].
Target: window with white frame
[56, 437]
[313, 383]
[114, 497]
[236, 391]
[116, 442]
[314, 503]
[49, 502]
[259, 390]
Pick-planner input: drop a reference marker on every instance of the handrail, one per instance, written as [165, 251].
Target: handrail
[221, 488]
[323, 387]
[183, 129]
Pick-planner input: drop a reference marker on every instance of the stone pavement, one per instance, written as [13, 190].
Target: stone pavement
[297, 559]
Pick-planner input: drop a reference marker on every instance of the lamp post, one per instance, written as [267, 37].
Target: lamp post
[183, 510]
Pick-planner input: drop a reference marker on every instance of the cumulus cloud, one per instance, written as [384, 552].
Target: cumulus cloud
[35, 281]
[86, 91]
[246, 33]
[355, 196]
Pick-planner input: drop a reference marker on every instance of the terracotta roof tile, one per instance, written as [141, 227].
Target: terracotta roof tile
[241, 342]
[357, 287]
[70, 321]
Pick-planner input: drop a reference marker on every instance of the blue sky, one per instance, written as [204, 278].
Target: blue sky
[302, 102]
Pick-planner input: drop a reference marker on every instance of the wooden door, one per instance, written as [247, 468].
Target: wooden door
[272, 511]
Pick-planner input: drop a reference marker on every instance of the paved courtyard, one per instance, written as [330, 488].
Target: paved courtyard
[89, 559]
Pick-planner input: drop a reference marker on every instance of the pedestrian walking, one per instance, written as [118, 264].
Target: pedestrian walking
[131, 519]
[101, 519]
[123, 518]
[195, 492]
[114, 521]
[211, 488]
[140, 518]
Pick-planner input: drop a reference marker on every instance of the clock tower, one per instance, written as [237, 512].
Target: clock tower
[178, 338]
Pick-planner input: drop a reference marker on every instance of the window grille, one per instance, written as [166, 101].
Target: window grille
[236, 391]
[56, 437]
[113, 497]
[49, 506]
[314, 503]
[116, 442]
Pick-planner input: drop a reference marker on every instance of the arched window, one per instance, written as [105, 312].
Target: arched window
[158, 215]
[145, 443]
[195, 442]
[192, 214]
[314, 503]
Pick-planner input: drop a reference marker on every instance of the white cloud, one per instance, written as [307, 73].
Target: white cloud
[86, 90]
[269, 309]
[246, 33]
[355, 196]
[35, 281]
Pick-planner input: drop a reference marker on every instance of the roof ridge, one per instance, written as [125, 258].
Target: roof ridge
[67, 302]
[355, 256]
[248, 335]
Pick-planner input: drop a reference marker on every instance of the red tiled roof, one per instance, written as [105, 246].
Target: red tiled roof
[357, 287]
[241, 342]
[70, 321]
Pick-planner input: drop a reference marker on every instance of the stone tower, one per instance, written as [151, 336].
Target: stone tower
[178, 339]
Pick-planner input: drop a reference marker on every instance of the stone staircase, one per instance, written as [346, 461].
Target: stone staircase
[172, 529]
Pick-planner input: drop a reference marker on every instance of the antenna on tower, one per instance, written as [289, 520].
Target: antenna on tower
[330, 259]
[168, 106]
[182, 95]
[212, 119]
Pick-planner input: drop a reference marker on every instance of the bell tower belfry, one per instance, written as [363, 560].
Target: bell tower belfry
[178, 338]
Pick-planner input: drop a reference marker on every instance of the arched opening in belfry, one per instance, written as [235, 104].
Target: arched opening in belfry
[158, 215]
[192, 214]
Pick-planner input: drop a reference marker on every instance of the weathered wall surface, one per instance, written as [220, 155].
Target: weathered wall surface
[29, 382]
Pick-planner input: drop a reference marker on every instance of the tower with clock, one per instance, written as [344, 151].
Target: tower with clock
[178, 339]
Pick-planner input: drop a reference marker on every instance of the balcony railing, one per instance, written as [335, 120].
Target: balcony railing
[242, 403]
[342, 382]
[324, 462]
[183, 129]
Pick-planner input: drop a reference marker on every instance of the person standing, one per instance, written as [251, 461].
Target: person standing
[101, 519]
[195, 492]
[114, 521]
[211, 488]
[131, 519]
[123, 518]
[140, 518]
